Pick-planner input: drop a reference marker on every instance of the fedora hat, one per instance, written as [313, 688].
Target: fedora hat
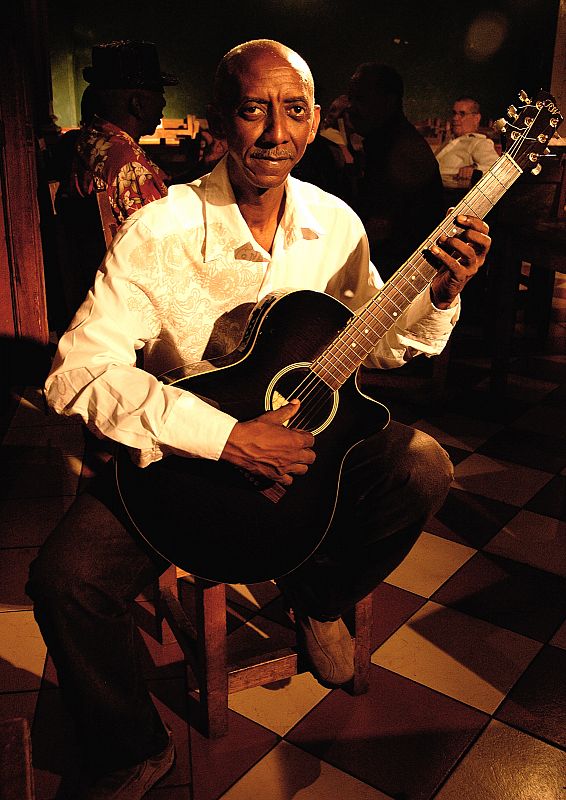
[127, 64]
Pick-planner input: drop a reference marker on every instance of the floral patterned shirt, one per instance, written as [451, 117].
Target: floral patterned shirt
[108, 159]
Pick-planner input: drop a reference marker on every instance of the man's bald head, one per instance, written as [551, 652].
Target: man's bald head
[239, 58]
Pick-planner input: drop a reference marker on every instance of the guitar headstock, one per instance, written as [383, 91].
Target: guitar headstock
[529, 128]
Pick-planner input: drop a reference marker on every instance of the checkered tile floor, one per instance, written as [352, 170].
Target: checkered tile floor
[468, 692]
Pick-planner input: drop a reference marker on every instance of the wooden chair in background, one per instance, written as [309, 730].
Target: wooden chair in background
[107, 218]
[81, 241]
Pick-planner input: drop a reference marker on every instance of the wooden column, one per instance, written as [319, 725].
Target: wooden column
[23, 313]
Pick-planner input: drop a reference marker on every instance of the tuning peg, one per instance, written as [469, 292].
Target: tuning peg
[524, 97]
[536, 170]
[512, 112]
[500, 125]
[533, 157]
[542, 138]
[546, 151]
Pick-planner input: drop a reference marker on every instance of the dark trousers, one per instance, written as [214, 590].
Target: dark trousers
[91, 568]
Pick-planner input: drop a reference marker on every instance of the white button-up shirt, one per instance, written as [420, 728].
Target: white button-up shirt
[179, 281]
[471, 150]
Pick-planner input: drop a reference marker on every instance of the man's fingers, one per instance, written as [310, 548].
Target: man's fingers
[472, 223]
[281, 415]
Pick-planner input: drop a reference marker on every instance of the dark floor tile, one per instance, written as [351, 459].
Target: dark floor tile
[515, 596]
[545, 417]
[9, 402]
[14, 567]
[159, 659]
[46, 477]
[487, 406]
[545, 369]
[392, 607]
[470, 519]
[557, 395]
[457, 454]
[54, 743]
[546, 452]
[465, 373]
[218, 763]
[401, 737]
[171, 701]
[276, 610]
[537, 702]
[404, 412]
[551, 500]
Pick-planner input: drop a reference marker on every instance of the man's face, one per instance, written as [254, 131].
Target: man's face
[153, 105]
[464, 118]
[271, 119]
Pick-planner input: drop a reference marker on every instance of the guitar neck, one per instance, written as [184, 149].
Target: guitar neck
[365, 329]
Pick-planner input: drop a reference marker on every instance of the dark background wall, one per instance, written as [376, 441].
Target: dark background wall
[487, 49]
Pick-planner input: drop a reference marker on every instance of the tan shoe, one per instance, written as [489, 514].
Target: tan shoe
[132, 783]
[329, 649]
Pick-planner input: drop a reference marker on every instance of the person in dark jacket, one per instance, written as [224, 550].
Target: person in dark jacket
[399, 196]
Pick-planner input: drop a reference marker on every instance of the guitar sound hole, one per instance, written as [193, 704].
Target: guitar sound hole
[318, 401]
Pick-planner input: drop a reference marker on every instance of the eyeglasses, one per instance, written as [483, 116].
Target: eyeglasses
[463, 113]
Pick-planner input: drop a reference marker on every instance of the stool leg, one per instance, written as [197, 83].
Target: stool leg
[363, 619]
[212, 655]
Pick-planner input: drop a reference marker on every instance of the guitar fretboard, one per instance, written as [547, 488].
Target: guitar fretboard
[371, 323]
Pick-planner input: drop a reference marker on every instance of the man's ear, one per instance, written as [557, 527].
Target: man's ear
[315, 124]
[215, 121]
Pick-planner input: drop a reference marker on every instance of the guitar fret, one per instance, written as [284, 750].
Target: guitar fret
[334, 377]
[365, 336]
[338, 349]
[486, 198]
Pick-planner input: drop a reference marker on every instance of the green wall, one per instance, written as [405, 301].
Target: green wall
[487, 49]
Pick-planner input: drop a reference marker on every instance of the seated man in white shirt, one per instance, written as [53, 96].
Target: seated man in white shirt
[178, 283]
[467, 150]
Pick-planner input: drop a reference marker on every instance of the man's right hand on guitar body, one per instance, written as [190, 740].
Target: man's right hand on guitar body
[265, 447]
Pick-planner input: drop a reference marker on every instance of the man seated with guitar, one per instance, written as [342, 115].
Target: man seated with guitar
[178, 283]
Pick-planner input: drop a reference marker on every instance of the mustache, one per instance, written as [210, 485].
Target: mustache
[271, 153]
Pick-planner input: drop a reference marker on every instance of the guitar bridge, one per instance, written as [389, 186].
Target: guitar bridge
[273, 491]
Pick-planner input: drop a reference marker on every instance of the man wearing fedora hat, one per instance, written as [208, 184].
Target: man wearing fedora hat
[128, 85]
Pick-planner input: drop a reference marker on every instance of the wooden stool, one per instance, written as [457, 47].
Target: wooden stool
[202, 636]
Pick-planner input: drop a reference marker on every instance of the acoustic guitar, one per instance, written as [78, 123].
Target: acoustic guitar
[223, 524]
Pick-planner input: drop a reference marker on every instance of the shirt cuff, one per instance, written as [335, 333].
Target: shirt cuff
[427, 328]
[195, 428]
[423, 310]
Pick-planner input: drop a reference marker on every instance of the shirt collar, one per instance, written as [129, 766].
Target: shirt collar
[110, 129]
[472, 135]
[226, 230]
